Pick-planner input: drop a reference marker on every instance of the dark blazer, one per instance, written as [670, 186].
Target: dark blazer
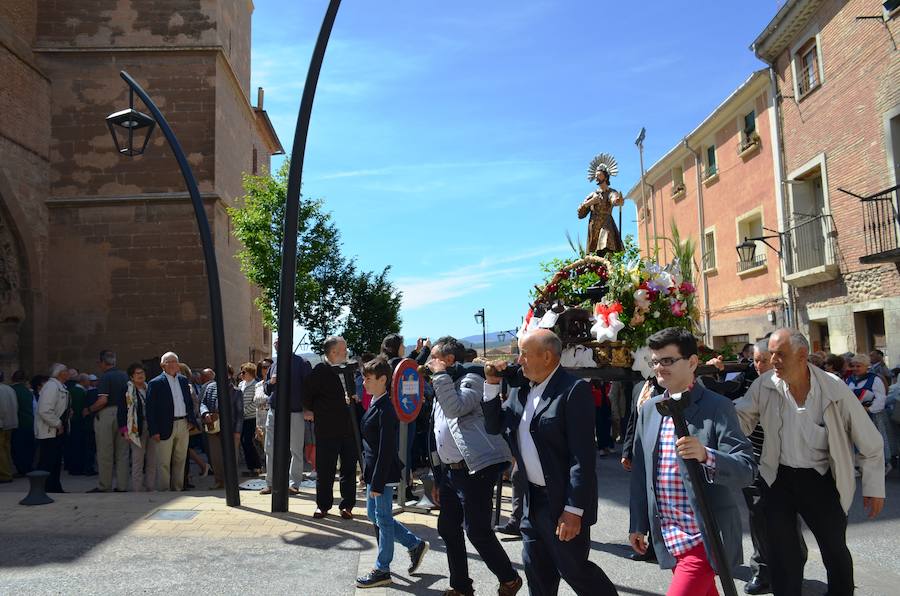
[160, 409]
[563, 432]
[380, 429]
[324, 396]
[712, 419]
[300, 369]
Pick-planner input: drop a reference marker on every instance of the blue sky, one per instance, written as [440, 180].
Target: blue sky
[451, 141]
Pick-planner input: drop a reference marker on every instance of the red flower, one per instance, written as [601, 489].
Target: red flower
[687, 287]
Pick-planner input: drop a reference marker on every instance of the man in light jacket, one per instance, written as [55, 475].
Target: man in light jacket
[468, 462]
[812, 422]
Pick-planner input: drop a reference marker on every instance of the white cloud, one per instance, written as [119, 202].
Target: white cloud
[461, 281]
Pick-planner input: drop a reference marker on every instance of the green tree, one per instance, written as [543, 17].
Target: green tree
[330, 295]
[374, 307]
[258, 224]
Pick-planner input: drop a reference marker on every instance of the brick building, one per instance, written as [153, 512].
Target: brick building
[717, 186]
[100, 250]
[836, 73]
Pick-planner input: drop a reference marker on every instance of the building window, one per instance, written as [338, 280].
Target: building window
[711, 168]
[808, 69]
[709, 245]
[809, 246]
[751, 226]
[677, 181]
[255, 168]
[750, 123]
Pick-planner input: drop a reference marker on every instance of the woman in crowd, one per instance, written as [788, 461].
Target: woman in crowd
[247, 386]
[131, 412]
[870, 390]
[209, 417]
[195, 440]
[50, 424]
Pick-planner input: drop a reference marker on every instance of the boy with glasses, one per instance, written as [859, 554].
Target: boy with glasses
[663, 501]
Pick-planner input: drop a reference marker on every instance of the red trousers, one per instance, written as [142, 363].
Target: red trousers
[693, 575]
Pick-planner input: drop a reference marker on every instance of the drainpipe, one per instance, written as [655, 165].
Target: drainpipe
[655, 233]
[645, 209]
[701, 222]
[790, 315]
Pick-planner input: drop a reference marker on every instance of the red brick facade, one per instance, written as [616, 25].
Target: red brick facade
[839, 79]
[746, 303]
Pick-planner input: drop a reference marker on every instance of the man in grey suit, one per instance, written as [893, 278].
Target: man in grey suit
[663, 500]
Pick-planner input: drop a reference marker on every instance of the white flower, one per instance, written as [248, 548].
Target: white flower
[642, 362]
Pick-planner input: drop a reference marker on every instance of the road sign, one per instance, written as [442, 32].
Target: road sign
[407, 389]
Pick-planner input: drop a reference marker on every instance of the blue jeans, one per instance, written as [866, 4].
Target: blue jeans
[390, 530]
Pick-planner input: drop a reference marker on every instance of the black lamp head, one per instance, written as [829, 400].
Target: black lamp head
[746, 250]
[130, 131]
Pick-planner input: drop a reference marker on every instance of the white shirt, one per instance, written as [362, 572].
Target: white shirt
[531, 460]
[177, 396]
[804, 438]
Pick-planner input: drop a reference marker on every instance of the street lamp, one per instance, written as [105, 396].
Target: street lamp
[479, 318]
[288, 278]
[128, 123]
[747, 249]
[132, 121]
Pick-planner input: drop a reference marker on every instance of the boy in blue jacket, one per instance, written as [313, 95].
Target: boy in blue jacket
[381, 471]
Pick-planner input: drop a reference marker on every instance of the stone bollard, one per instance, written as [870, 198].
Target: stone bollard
[37, 495]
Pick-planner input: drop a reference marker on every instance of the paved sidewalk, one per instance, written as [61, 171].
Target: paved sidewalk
[113, 543]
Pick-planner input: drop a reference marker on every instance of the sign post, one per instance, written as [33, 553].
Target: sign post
[407, 390]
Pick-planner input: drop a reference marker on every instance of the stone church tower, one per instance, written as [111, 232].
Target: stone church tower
[98, 250]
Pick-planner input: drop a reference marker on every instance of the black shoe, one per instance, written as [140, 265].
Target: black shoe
[374, 579]
[647, 557]
[509, 528]
[757, 585]
[97, 490]
[416, 554]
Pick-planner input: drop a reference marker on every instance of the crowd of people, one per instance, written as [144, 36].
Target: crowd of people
[791, 433]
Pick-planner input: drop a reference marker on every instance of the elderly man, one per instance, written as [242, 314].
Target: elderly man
[169, 415]
[663, 497]
[812, 422]
[325, 403]
[760, 582]
[470, 463]
[112, 447]
[550, 427]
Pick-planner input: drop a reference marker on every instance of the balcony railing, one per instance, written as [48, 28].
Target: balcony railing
[880, 227]
[810, 247]
[758, 261]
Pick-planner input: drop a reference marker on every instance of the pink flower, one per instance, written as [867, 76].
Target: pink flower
[678, 308]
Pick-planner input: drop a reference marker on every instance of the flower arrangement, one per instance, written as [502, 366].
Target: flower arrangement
[568, 280]
[652, 296]
[627, 298]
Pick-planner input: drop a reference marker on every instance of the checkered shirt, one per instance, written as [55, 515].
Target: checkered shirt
[680, 529]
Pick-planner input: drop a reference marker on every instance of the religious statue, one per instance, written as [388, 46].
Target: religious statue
[603, 235]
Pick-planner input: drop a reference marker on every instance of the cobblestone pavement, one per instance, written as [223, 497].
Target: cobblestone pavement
[113, 543]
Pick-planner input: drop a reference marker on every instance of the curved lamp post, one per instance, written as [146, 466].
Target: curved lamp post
[289, 269]
[127, 127]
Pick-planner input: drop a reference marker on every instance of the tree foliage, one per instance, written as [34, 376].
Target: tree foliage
[330, 295]
[374, 311]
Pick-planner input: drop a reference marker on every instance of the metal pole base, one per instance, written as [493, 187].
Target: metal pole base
[37, 495]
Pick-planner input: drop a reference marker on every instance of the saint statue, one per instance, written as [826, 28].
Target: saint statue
[603, 235]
